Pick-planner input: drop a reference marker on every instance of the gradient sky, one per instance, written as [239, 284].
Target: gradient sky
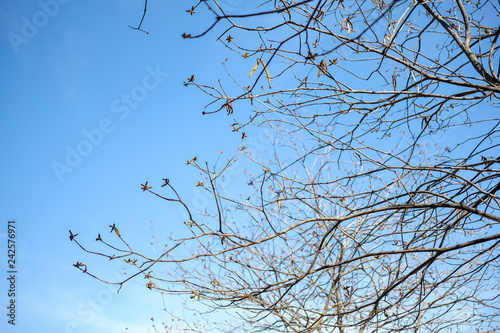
[67, 71]
[90, 110]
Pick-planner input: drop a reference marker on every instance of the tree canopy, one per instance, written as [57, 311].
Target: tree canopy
[373, 206]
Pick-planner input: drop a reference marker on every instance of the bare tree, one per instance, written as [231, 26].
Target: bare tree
[375, 206]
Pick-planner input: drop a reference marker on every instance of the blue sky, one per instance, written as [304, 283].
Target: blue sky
[64, 90]
[90, 110]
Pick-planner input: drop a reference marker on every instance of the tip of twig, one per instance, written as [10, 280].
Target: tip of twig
[146, 32]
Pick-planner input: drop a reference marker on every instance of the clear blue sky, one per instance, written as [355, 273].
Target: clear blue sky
[90, 110]
[67, 71]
